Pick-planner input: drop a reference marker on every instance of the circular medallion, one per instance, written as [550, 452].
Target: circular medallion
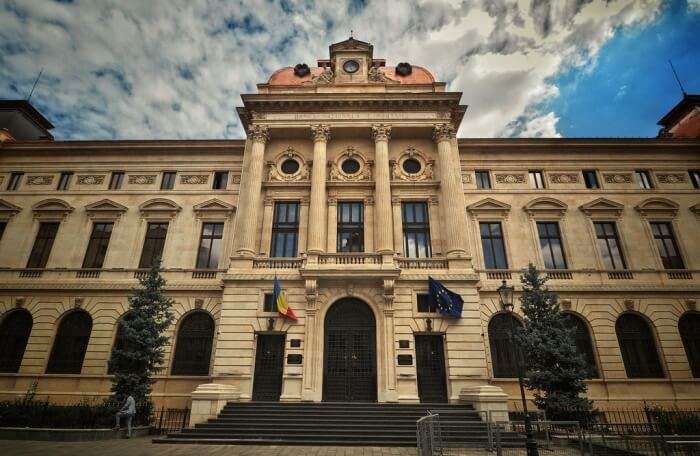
[350, 166]
[289, 166]
[619, 178]
[351, 66]
[411, 166]
[672, 179]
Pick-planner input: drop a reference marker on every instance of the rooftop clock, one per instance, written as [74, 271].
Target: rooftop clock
[351, 66]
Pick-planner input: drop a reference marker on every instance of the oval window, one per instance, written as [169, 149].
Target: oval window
[290, 166]
[411, 166]
[350, 166]
[351, 66]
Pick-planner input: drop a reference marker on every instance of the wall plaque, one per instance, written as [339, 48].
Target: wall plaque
[294, 359]
[405, 360]
[403, 344]
[295, 343]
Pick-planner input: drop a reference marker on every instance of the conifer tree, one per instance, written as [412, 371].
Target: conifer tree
[555, 370]
[143, 351]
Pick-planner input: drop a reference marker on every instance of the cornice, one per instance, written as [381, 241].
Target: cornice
[168, 144]
[556, 143]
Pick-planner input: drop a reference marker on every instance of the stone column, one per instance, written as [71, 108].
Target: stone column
[452, 205]
[317, 208]
[251, 190]
[383, 231]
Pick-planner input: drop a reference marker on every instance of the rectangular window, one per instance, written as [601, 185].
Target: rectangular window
[15, 180]
[590, 178]
[351, 227]
[285, 230]
[210, 245]
[97, 248]
[609, 245]
[492, 244]
[153, 245]
[3, 225]
[666, 243]
[220, 180]
[536, 179]
[42, 245]
[425, 303]
[168, 181]
[483, 179]
[695, 177]
[551, 245]
[115, 182]
[416, 229]
[64, 180]
[643, 179]
[269, 305]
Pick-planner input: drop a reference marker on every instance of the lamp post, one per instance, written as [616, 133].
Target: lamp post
[505, 294]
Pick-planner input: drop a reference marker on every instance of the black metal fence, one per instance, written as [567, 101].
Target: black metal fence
[167, 420]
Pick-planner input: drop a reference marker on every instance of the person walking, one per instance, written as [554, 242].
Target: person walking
[127, 411]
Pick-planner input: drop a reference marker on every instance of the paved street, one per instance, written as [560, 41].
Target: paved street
[144, 447]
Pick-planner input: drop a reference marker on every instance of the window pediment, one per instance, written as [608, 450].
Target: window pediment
[695, 209]
[602, 207]
[159, 207]
[657, 208]
[105, 209]
[52, 208]
[214, 208]
[545, 207]
[489, 207]
[8, 210]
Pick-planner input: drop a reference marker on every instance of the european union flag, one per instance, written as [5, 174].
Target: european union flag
[448, 303]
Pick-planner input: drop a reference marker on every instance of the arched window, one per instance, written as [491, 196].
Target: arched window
[14, 334]
[638, 347]
[503, 351]
[119, 339]
[70, 344]
[689, 328]
[584, 344]
[193, 345]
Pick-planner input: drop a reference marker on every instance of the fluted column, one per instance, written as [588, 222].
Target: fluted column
[452, 205]
[251, 189]
[383, 226]
[317, 207]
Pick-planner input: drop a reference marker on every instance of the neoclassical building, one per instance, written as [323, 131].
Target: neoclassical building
[351, 188]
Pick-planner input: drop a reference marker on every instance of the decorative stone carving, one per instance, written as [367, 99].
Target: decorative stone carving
[545, 207]
[213, 208]
[691, 304]
[369, 201]
[52, 209]
[565, 303]
[320, 132]
[198, 303]
[78, 303]
[275, 172]
[388, 293]
[259, 133]
[671, 178]
[8, 210]
[311, 293]
[332, 200]
[301, 70]
[194, 179]
[105, 210]
[381, 132]
[142, 179]
[363, 174]
[19, 302]
[324, 78]
[161, 208]
[395, 201]
[91, 179]
[510, 178]
[602, 208]
[39, 180]
[563, 178]
[466, 178]
[657, 208]
[443, 132]
[618, 178]
[629, 304]
[489, 207]
[268, 201]
[433, 201]
[404, 69]
[376, 75]
[426, 166]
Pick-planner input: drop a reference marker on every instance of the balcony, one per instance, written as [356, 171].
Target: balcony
[599, 279]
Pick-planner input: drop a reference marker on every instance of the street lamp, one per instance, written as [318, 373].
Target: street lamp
[505, 294]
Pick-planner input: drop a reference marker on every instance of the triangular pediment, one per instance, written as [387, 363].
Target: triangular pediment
[545, 206]
[159, 207]
[214, 208]
[488, 206]
[659, 207]
[8, 209]
[602, 206]
[52, 207]
[106, 205]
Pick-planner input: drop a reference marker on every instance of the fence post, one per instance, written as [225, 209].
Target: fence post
[184, 419]
[160, 421]
[499, 449]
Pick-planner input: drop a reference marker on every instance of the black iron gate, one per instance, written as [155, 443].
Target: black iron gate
[430, 363]
[269, 362]
[350, 366]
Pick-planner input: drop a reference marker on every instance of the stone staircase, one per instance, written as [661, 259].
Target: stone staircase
[331, 424]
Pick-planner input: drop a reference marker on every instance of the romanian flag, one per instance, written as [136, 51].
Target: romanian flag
[281, 300]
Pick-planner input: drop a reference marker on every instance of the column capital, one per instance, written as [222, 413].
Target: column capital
[259, 133]
[268, 201]
[443, 132]
[320, 132]
[381, 132]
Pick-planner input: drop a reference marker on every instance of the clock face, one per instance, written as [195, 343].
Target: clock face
[351, 66]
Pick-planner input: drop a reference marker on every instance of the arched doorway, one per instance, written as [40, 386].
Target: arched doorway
[350, 353]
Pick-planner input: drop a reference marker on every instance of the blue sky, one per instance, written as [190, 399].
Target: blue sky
[128, 69]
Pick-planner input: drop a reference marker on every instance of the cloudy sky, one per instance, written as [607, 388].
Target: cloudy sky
[157, 69]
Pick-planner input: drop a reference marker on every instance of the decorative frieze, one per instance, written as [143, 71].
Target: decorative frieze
[618, 178]
[510, 178]
[671, 178]
[91, 179]
[194, 179]
[563, 178]
[39, 180]
[320, 132]
[443, 132]
[142, 179]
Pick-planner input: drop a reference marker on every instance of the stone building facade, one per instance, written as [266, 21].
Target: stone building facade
[351, 189]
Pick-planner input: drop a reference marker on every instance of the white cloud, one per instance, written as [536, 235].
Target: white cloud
[176, 68]
[694, 6]
[541, 127]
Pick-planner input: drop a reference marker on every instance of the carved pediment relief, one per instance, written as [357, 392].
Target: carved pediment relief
[695, 209]
[105, 209]
[657, 207]
[351, 165]
[412, 166]
[52, 208]
[159, 207]
[8, 209]
[489, 207]
[602, 207]
[545, 207]
[214, 208]
[289, 166]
